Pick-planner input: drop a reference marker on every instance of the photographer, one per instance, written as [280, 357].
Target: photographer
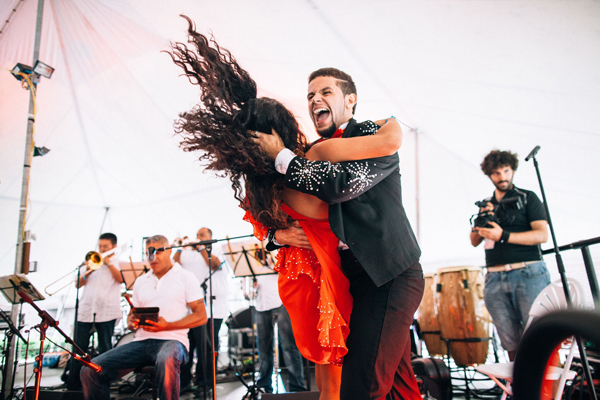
[513, 225]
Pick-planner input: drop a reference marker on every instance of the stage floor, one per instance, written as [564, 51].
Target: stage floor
[228, 386]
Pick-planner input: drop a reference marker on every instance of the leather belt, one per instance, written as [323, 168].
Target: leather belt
[510, 267]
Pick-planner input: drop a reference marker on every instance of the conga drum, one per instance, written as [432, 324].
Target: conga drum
[428, 318]
[462, 314]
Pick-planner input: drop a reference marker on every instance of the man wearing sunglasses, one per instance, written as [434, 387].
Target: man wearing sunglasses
[162, 343]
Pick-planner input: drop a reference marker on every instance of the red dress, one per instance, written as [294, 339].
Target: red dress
[314, 290]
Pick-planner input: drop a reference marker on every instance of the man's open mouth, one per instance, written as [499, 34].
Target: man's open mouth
[321, 114]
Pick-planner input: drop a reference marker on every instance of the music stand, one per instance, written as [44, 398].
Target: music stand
[9, 285]
[133, 270]
[250, 258]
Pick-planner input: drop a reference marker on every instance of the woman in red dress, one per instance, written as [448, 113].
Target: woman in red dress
[311, 284]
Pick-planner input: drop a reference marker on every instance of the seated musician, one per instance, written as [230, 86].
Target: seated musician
[164, 343]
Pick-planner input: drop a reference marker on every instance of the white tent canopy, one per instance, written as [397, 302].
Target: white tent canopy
[464, 77]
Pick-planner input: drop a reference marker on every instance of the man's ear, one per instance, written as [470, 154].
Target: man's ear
[351, 100]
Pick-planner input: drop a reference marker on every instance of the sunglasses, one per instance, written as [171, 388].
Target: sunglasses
[151, 253]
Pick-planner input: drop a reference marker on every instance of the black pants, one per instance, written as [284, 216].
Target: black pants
[198, 344]
[82, 339]
[377, 365]
[201, 343]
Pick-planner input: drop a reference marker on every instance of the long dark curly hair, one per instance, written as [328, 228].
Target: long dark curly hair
[217, 126]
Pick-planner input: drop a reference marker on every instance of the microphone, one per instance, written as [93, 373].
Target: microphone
[87, 363]
[532, 153]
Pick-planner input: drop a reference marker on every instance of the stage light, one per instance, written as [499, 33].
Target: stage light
[21, 68]
[39, 69]
[40, 151]
[43, 69]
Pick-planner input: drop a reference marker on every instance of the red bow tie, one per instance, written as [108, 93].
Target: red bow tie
[337, 134]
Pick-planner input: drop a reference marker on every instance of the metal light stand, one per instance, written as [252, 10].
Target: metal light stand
[563, 276]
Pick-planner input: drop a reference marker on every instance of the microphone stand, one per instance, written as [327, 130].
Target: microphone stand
[563, 276]
[70, 383]
[12, 331]
[208, 246]
[47, 321]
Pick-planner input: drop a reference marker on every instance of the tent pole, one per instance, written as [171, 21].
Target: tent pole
[417, 196]
[106, 209]
[7, 389]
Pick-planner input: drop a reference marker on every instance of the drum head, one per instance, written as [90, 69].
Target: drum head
[457, 269]
[125, 339]
[242, 318]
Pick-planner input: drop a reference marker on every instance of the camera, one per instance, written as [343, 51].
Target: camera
[503, 213]
[483, 219]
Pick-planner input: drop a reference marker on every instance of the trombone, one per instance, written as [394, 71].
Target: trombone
[93, 261]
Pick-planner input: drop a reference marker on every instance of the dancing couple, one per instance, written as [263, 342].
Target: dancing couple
[348, 261]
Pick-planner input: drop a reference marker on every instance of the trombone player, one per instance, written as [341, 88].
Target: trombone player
[100, 304]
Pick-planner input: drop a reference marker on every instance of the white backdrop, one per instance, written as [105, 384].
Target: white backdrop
[468, 76]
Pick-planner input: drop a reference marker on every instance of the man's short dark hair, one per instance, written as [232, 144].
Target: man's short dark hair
[109, 236]
[344, 81]
[497, 159]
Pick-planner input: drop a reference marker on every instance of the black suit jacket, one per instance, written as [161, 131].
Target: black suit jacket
[365, 209]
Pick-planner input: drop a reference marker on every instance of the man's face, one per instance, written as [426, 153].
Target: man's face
[328, 106]
[105, 245]
[162, 259]
[502, 178]
[203, 234]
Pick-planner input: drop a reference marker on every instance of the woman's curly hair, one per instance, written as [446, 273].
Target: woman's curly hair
[217, 127]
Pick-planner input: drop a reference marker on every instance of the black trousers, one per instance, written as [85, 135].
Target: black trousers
[198, 344]
[377, 365]
[82, 339]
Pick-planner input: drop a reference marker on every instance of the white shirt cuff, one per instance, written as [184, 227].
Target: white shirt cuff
[283, 160]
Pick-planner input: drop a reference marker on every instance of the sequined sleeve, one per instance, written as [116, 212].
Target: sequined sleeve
[336, 183]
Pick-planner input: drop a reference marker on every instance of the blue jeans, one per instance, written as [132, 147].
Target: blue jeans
[508, 297]
[166, 355]
[291, 354]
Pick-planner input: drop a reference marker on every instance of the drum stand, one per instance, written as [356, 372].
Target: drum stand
[468, 373]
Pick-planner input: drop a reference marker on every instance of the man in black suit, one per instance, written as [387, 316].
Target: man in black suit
[379, 251]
